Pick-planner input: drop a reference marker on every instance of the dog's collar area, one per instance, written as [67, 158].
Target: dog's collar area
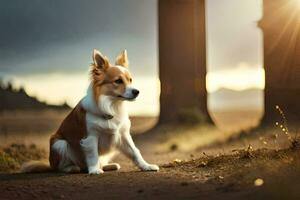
[107, 117]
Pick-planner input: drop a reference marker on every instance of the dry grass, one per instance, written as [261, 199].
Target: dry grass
[12, 157]
[7, 163]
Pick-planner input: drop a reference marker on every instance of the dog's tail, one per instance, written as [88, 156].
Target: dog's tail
[36, 167]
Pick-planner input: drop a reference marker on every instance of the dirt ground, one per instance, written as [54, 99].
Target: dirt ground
[196, 162]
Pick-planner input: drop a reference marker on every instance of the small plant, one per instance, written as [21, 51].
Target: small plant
[246, 153]
[295, 143]
[283, 125]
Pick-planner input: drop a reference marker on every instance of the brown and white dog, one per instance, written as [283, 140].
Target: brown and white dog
[98, 125]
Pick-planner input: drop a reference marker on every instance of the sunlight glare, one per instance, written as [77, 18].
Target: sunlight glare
[297, 4]
[240, 78]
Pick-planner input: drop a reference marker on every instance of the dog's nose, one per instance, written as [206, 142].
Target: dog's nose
[135, 92]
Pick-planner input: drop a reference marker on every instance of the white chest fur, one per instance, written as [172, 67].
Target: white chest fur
[108, 131]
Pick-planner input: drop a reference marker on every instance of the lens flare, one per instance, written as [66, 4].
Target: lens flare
[297, 4]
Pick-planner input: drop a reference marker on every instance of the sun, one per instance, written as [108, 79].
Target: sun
[297, 2]
[293, 4]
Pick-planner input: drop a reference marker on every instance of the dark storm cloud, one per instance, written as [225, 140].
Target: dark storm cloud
[32, 29]
[39, 36]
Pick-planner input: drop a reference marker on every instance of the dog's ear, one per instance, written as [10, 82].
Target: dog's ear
[122, 59]
[100, 61]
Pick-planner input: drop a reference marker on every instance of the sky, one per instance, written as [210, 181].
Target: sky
[46, 46]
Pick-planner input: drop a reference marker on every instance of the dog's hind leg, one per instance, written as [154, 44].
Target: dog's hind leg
[65, 158]
[71, 169]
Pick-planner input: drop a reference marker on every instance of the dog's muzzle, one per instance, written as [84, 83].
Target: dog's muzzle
[130, 94]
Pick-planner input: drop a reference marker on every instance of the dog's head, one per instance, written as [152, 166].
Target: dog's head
[112, 80]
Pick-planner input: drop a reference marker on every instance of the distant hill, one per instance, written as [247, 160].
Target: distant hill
[11, 99]
[227, 99]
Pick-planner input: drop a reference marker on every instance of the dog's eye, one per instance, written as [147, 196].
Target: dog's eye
[119, 81]
[130, 80]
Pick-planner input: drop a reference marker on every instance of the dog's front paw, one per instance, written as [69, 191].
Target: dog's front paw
[95, 170]
[150, 167]
[98, 171]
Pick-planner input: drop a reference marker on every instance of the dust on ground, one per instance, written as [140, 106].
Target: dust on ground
[242, 174]
[264, 167]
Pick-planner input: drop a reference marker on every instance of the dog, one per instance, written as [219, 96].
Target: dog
[98, 125]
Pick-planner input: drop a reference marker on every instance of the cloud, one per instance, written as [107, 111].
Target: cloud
[40, 36]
